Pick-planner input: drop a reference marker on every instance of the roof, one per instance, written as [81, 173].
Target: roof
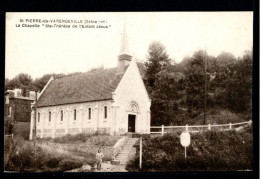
[17, 93]
[84, 87]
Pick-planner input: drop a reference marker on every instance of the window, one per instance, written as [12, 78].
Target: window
[49, 116]
[75, 114]
[105, 112]
[89, 113]
[6, 100]
[9, 111]
[39, 117]
[61, 115]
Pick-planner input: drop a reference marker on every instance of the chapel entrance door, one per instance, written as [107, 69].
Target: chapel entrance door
[131, 123]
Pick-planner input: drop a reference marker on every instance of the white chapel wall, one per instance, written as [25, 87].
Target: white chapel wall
[58, 126]
[132, 89]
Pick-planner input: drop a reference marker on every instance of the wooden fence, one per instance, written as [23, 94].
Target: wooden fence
[196, 128]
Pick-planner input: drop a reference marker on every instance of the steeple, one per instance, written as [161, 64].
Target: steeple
[124, 57]
[124, 43]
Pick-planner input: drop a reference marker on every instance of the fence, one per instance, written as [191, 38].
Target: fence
[195, 128]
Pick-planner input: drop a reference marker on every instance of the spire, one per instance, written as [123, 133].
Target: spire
[124, 44]
[124, 57]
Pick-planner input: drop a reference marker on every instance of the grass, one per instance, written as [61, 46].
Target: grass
[22, 159]
[82, 146]
[208, 151]
[86, 139]
[59, 154]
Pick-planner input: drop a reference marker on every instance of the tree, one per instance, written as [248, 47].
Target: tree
[195, 81]
[225, 59]
[6, 82]
[13, 83]
[238, 91]
[157, 60]
[161, 84]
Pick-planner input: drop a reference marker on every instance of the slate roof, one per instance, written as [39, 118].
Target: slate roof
[83, 87]
[89, 86]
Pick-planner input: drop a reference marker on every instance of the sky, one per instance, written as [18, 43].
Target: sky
[42, 50]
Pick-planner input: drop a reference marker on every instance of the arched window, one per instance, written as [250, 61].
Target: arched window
[75, 114]
[39, 115]
[89, 113]
[49, 116]
[61, 115]
[105, 112]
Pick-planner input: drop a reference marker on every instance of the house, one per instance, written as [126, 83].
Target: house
[17, 106]
[110, 101]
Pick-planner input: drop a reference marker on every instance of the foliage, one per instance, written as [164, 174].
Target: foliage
[195, 81]
[161, 84]
[91, 139]
[208, 151]
[22, 159]
[233, 84]
[21, 81]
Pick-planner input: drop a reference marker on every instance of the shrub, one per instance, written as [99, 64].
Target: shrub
[68, 164]
[208, 151]
[22, 159]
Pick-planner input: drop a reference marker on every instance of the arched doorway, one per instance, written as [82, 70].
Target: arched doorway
[132, 114]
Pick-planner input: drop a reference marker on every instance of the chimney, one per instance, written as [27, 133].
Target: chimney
[124, 57]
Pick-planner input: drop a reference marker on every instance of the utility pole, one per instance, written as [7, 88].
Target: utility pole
[35, 109]
[205, 95]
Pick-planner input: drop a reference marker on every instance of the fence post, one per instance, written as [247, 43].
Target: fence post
[230, 126]
[209, 127]
[187, 127]
[162, 129]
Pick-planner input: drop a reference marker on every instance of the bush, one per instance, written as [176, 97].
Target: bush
[208, 151]
[69, 164]
[22, 159]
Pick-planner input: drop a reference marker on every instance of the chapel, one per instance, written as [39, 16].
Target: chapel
[109, 101]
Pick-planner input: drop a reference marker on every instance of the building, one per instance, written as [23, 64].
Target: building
[17, 106]
[111, 101]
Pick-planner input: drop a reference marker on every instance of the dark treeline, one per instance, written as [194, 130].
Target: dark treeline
[25, 82]
[180, 88]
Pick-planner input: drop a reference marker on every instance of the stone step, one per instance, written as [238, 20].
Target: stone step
[123, 161]
[126, 152]
[126, 149]
[122, 157]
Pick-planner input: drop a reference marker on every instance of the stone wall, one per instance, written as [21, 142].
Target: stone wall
[119, 145]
